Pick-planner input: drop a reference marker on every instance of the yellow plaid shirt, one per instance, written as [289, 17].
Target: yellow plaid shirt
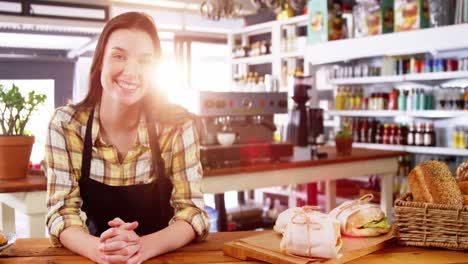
[179, 149]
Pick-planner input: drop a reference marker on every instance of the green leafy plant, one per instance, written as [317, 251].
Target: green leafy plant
[343, 134]
[16, 109]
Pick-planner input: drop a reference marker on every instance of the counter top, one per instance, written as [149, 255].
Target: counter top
[31, 183]
[38, 250]
[298, 161]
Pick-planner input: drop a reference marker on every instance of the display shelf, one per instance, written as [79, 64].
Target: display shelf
[364, 113]
[267, 26]
[293, 54]
[431, 40]
[430, 114]
[414, 149]
[430, 76]
[367, 80]
[254, 60]
[433, 76]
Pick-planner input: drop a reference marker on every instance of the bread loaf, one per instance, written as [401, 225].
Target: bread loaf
[461, 173]
[465, 199]
[432, 182]
[463, 187]
[3, 239]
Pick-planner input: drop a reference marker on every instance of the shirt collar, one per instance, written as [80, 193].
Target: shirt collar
[142, 131]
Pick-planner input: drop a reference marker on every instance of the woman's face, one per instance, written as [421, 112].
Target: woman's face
[127, 66]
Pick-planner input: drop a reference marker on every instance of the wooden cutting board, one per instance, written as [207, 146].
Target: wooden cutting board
[266, 247]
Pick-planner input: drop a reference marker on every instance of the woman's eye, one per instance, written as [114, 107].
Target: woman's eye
[119, 57]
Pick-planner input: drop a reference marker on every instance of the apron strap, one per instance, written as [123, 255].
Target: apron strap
[163, 183]
[87, 147]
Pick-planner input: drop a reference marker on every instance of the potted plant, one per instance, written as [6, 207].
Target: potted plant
[343, 142]
[15, 145]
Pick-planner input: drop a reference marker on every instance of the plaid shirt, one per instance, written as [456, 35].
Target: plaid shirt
[179, 149]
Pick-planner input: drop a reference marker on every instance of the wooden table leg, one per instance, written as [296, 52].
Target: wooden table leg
[8, 218]
[221, 208]
[312, 193]
[386, 198]
[330, 195]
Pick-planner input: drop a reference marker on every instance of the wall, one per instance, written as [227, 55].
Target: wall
[62, 72]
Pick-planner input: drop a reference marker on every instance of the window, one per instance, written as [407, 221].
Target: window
[209, 67]
[39, 120]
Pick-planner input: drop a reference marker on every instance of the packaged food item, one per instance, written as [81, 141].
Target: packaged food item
[379, 17]
[312, 234]
[411, 14]
[360, 218]
[326, 22]
[317, 26]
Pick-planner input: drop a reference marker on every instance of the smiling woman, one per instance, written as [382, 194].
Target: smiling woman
[125, 157]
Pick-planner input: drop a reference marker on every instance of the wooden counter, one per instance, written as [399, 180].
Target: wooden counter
[300, 169]
[299, 161]
[38, 250]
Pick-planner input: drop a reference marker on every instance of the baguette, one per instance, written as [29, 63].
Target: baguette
[432, 182]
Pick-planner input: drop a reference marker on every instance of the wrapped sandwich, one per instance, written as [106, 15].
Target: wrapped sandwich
[360, 218]
[285, 217]
[312, 234]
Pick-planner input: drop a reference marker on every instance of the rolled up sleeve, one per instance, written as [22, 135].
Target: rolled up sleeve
[187, 195]
[63, 194]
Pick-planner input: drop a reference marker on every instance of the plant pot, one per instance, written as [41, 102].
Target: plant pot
[343, 146]
[15, 152]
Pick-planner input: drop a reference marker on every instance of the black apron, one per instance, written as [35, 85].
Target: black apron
[146, 203]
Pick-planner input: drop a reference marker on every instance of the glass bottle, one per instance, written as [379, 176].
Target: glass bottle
[465, 98]
[419, 135]
[338, 99]
[364, 131]
[386, 134]
[428, 135]
[411, 135]
[402, 100]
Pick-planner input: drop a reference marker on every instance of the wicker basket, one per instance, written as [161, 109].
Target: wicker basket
[430, 225]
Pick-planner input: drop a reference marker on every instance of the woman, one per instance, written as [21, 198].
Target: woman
[125, 157]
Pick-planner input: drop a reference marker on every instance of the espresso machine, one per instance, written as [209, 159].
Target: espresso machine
[250, 116]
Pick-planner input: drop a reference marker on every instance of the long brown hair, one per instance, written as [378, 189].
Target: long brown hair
[130, 20]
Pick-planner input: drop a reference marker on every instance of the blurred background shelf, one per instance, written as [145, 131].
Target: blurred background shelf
[429, 114]
[415, 149]
[430, 40]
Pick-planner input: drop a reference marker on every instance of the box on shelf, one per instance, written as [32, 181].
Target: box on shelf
[411, 14]
[379, 18]
[317, 26]
[325, 22]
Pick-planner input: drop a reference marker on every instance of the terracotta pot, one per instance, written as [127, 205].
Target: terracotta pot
[343, 146]
[15, 152]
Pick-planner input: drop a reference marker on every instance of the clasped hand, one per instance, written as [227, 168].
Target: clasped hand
[120, 243]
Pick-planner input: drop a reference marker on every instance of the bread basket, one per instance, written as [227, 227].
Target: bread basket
[430, 225]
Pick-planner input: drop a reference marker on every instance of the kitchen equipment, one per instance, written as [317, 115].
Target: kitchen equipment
[251, 117]
[305, 123]
[265, 247]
